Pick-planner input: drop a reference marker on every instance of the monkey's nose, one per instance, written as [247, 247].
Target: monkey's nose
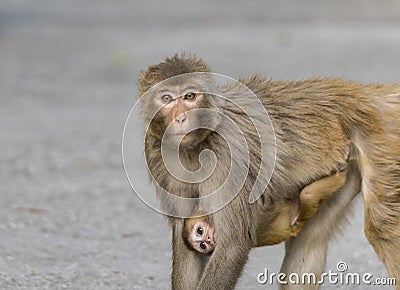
[181, 118]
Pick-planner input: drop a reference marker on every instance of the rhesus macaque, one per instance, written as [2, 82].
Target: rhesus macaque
[199, 233]
[314, 122]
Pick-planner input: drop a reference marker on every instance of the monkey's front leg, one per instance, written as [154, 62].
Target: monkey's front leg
[225, 265]
[187, 265]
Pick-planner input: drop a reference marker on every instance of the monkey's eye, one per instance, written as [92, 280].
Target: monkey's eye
[189, 96]
[166, 98]
[200, 230]
[203, 245]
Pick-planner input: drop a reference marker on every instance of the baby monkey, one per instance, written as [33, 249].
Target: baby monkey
[199, 234]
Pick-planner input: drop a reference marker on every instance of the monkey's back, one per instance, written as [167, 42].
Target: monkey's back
[318, 118]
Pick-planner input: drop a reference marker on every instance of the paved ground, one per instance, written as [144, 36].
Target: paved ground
[68, 72]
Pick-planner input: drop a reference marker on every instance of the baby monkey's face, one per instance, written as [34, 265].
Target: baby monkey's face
[202, 237]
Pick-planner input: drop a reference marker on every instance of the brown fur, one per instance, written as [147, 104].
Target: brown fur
[314, 120]
[291, 216]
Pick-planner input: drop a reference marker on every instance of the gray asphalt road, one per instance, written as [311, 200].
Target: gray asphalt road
[68, 71]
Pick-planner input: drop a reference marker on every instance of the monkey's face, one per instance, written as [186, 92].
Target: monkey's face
[202, 237]
[182, 113]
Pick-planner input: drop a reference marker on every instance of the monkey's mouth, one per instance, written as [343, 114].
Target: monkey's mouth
[181, 138]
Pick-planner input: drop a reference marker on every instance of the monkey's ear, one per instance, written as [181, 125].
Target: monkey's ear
[294, 212]
[144, 82]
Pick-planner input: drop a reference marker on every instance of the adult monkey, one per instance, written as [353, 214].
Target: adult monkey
[314, 120]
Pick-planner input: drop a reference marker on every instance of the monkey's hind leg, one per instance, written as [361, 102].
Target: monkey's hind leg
[382, 226]
[381, 189]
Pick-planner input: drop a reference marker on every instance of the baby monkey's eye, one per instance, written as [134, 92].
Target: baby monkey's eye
[200, 230]
[189, 96]
[203, 245]
[166, 98]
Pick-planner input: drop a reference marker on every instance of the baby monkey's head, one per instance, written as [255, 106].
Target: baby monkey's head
[199, 235]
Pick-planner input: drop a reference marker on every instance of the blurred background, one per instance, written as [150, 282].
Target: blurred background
[68, 78]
